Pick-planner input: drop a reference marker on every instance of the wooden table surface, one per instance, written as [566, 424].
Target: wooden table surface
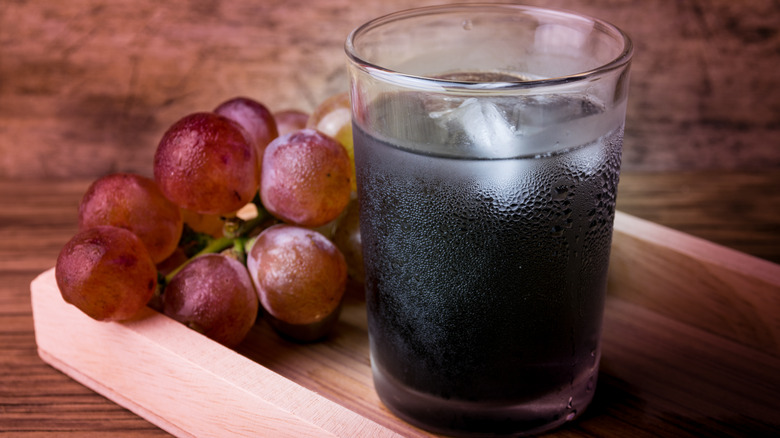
[739, 210]
[87, 87]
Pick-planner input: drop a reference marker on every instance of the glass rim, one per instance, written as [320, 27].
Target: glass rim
[427, 82]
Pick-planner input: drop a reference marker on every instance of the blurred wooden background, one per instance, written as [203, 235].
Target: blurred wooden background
[87, 87]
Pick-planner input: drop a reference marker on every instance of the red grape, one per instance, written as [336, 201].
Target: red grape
[211, 224]
[213, 295]
[288, 121]
[136, 203]
[106, 272]
[306, 178]
[206, 163]
[333, 117]
[300, 277]
[254, 117]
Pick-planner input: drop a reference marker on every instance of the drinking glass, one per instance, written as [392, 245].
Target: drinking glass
[488, 142]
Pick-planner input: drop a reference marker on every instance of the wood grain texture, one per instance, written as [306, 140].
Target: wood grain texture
[88, 87]
[735, 209]
[182, 381]
[37, 217]
[696, 282]
[659, 357]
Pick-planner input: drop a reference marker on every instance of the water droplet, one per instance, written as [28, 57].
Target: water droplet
[467, 24]
[570, 416]
[560, 192]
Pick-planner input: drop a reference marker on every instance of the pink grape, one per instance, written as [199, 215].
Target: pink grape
[207, 163]
[254, 117]
[211, 224]
[106, 272]
[136, 203]
[333, 117]
[291, 120]
[213, 295]
[306, 178]
[300, 277]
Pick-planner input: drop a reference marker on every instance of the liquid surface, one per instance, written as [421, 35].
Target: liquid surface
[485, 277]
[516, 126]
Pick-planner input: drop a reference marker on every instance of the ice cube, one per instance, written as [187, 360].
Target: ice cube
[510, 126]
[551, 109]
[483, 125]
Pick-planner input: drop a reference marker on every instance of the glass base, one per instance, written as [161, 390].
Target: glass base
[459, 418]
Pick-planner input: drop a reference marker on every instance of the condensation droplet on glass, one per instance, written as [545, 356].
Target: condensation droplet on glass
[570, 416]
[467, 25]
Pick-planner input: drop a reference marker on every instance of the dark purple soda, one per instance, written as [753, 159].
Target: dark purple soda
[486, 276]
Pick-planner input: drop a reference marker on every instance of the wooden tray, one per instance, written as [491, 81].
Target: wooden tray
[691, 344]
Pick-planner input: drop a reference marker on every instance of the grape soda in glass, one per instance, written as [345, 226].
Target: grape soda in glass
[487, 146]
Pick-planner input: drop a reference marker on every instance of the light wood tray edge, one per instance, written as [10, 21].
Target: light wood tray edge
[709, 286]
[192, 386]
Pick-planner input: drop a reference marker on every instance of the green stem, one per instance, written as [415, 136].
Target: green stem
[215, 245]
[239, 245]
[237, 238]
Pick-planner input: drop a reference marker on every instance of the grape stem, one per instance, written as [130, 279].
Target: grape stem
[215, 245]
[236, 234]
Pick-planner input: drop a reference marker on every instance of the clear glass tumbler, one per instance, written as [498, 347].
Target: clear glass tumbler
[488, 141]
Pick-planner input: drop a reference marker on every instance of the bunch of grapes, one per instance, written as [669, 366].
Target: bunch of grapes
[248, 212]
